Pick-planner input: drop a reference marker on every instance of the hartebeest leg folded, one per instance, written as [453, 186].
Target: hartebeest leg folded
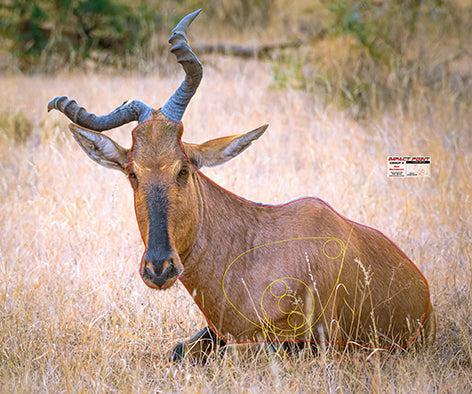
[200, 347]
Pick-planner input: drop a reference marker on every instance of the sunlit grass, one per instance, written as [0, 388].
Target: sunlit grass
[74, 313]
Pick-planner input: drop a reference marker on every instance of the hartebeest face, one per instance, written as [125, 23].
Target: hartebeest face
[162, 178]
[160, 174]
[162, 170]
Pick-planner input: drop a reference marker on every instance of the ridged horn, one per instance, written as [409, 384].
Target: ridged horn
[175, 107]
[125, 113]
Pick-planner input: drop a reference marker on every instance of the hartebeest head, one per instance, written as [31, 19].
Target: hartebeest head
[161, 168]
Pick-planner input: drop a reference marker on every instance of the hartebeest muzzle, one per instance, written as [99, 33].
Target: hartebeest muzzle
[160, 272]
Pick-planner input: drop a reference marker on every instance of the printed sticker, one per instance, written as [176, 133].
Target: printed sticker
[408, 166]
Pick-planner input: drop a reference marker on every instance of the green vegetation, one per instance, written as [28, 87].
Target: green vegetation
[48, 35]
[53, 33]
[380, 55]
[15, 126]
[363, 56]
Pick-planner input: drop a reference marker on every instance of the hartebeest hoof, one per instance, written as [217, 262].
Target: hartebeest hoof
[200, 348]
[177, 353]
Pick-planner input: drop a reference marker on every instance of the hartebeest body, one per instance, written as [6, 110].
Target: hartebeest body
[299, 272]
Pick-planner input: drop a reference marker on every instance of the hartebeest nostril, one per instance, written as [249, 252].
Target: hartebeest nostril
[169, 269]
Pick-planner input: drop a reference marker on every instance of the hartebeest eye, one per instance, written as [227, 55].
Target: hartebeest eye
[183, 173]
[133, 178]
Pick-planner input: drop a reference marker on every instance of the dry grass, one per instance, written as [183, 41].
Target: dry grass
[76, 317]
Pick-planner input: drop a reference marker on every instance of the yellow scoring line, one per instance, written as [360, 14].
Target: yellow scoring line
[343, 251]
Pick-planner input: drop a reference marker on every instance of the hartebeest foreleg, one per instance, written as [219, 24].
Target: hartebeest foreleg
[200, 347]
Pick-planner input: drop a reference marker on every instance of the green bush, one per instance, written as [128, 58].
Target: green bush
[73, 29]
[15, 126]
[384, 54]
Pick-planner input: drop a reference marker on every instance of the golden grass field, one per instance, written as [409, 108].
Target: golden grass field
[75, 315]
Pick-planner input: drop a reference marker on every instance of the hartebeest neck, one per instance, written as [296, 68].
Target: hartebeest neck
[225, 221]
[227, 227]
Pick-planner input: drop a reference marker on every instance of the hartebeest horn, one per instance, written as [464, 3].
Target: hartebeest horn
[125, 113]
[175, 107]
[129, 111]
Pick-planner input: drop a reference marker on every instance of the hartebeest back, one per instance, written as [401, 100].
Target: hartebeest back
[298, 272]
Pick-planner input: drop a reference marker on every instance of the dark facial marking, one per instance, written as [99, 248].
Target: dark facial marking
[158, 247]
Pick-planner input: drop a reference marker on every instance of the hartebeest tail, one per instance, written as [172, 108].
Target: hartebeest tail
[298, 272]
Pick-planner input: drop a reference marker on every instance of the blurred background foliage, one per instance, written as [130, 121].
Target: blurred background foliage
[365, 55]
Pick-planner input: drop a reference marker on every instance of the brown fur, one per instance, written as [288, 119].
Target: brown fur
[344, 282]
[396, 290]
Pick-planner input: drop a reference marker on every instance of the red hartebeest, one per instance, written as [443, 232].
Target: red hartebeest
[292, 273]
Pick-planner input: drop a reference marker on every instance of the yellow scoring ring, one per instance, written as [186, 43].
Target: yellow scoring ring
[265, 326]
[294, 311]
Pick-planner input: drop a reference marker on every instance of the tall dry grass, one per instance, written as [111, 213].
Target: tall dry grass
[74, 313]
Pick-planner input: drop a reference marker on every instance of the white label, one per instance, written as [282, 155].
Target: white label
[408, 166]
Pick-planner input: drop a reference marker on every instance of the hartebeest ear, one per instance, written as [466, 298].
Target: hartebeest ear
[218, 151]
[101, 148]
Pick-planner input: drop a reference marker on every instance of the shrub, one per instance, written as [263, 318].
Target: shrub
[73, 29]
[15, 126]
